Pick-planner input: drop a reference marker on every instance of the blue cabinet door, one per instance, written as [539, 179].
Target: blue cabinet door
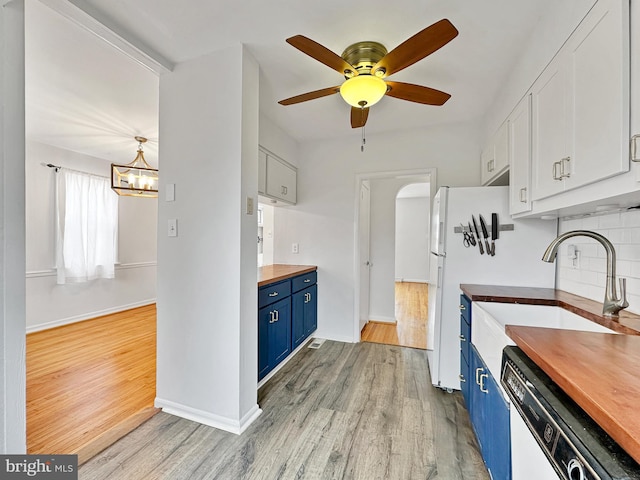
[311, 309]
[498, 444]
[476, 398]
[264, 318]
[298, 332]
[489, 414]
[280, 331]
[304, 315]
[274, 335]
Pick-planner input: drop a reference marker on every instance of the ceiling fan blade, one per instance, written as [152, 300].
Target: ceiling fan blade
[359, 116]
[322, 54]
[416, 93]
[416, 48]
[310, 96]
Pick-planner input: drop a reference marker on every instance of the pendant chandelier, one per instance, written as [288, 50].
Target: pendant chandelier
[136, 179]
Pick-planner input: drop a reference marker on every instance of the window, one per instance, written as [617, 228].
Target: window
[87, 227]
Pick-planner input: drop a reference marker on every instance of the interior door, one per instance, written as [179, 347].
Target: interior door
[364, 244]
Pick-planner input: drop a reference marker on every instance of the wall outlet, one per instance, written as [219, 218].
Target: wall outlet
[295, 248]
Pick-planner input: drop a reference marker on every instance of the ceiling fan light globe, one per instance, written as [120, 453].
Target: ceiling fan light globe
[363, 90]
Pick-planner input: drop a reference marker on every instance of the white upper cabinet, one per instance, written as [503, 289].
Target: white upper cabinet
[580, 105]
[494, 158]
[520, 156]
[281, 180]
[277, 179]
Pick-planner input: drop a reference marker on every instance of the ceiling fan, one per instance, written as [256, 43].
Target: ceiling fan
[366, 64]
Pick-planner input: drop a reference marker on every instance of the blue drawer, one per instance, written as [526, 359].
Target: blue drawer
[273, 292]
[303, 281]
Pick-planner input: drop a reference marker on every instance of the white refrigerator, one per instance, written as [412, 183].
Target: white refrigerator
[516, 262]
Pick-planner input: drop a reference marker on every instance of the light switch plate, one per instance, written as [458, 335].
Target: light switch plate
[170, 194]
[173, 227]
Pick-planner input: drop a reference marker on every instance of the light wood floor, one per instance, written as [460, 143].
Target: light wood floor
[411, 316]
[90, 382]
[345, 411]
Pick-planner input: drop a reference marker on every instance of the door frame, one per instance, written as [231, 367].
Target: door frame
[411, 176]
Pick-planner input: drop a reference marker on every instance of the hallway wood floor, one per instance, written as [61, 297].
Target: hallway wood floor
[411, 315]
[344, 411]
[90, 382]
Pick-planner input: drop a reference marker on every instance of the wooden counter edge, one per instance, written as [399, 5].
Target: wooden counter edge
[268, 274]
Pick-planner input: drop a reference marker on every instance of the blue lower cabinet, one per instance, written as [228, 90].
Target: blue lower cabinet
[274, 335]
[305, 316]
[489, 412]
[287, 315]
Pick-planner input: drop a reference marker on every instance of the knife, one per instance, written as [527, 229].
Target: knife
[494, 232]
[485, 234]
[473, 239]
[475, 227]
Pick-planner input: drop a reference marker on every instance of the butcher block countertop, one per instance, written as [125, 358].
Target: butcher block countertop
[599, 371]
[274, 273]
[628, 323]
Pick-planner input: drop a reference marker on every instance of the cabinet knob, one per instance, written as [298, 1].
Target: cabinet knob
[462, 338]
[273, 294]
[461, 378]
[462, 307]
[307, 280]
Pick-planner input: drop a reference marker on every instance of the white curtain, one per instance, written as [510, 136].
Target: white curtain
[87, 227]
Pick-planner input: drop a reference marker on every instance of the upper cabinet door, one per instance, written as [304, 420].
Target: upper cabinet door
[552, 129]
[520, 157]
[598, 56]
[281, 180]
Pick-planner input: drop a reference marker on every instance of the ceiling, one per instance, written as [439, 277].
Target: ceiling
[81, 91]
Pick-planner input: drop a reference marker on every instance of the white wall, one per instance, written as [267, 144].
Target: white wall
[589, 277]
[276, 140]
[207, 275]
[49, 304]
[412, 239]
[323, 221]
[12, 238]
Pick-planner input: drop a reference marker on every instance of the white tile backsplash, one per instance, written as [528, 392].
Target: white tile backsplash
[588, 279]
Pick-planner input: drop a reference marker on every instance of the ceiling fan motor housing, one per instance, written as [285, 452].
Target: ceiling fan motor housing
[363, 56]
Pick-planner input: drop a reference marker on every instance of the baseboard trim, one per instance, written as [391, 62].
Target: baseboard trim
[207, 418]
[394, 322]
[376, 319]
[88, 316]
[411, 280]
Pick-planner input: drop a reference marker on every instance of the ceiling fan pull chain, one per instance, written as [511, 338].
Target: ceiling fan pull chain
[364, 140]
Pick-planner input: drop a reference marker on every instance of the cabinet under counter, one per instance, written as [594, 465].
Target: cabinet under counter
[287, 313]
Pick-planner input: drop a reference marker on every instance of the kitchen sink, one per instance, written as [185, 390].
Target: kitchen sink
[490, 318]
